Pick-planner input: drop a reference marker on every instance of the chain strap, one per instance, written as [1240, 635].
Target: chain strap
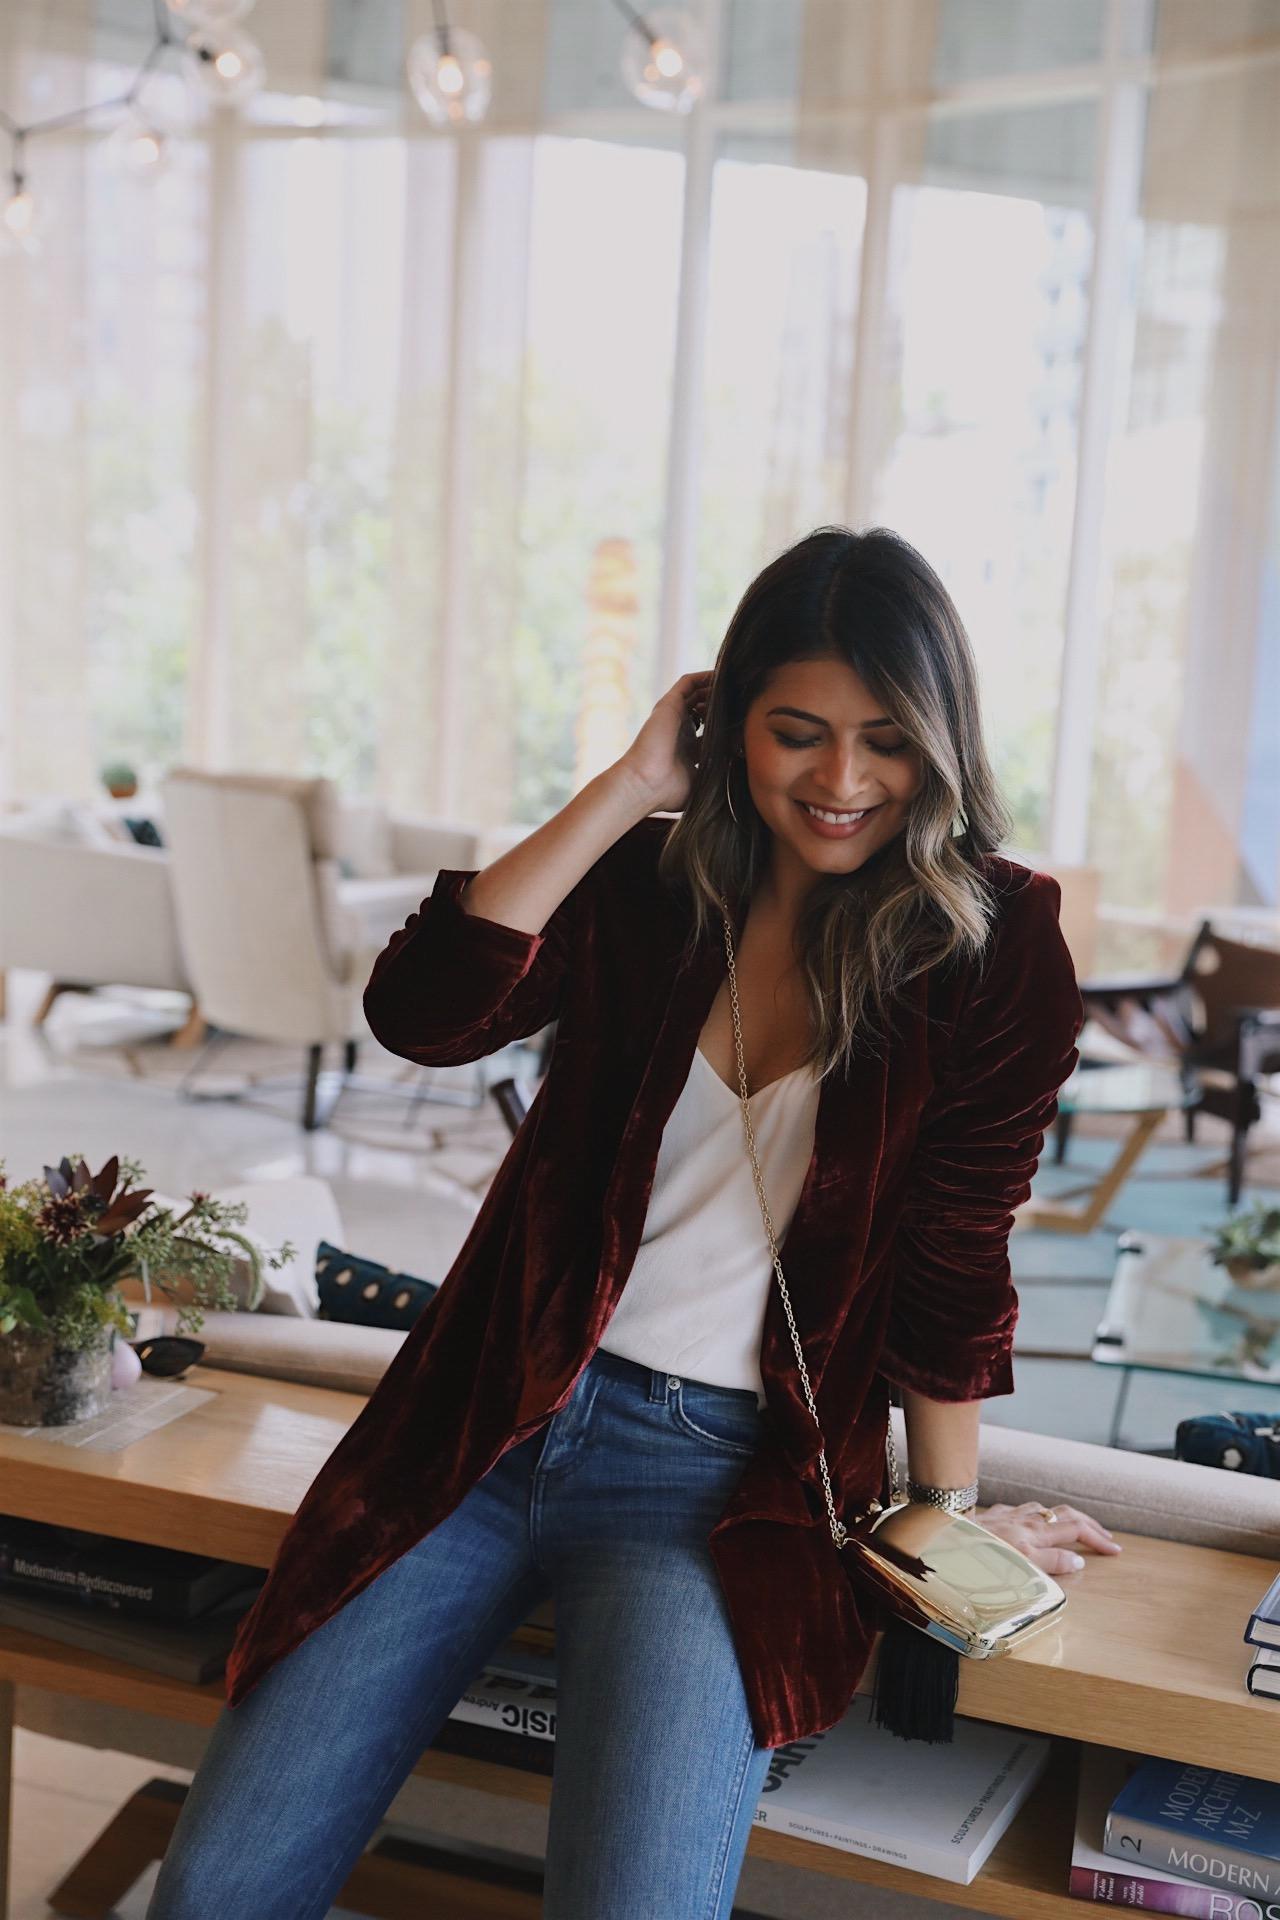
[839, 1532]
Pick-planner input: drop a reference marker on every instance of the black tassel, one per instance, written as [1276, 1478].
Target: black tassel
[916, 1684]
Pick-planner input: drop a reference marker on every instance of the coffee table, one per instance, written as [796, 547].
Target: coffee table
[1148, 1090]
[1171, 1310]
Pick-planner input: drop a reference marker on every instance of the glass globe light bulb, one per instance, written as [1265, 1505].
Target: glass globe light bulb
[167, 100]
[228, 65]
[22, 219]
[663, 61]
[451, 76]
[135, 146]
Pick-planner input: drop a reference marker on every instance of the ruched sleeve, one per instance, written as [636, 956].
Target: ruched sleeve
[953, 1304]
[451, 986]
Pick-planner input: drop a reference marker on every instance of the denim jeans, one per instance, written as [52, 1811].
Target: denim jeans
[657, 1771]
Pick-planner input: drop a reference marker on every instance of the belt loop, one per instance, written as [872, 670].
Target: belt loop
[657, 1383]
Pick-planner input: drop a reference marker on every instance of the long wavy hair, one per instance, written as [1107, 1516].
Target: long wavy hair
[920, 901]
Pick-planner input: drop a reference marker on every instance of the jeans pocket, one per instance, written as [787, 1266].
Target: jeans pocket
[729, 1422]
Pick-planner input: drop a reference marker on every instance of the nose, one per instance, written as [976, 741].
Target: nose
[839, 773]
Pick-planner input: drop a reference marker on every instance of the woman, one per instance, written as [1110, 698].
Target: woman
[602, 1401]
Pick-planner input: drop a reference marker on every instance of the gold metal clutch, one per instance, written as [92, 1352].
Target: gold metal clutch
[953, 1579]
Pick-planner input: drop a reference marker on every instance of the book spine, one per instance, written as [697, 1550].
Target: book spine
[507, 1716]
[101, 1589]
[152, 1653]
[1164, 1896]
[1209, 1863]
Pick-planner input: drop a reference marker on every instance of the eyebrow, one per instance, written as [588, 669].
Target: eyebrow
[798, 713]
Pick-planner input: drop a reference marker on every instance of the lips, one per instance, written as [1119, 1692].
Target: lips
[844, 827]
[844, 816]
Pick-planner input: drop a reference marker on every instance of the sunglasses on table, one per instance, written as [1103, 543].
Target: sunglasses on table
[168, 1354]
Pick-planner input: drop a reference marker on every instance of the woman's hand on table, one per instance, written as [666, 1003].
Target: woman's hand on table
[1051, 1537]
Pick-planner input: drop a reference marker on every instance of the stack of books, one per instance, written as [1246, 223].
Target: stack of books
[1175, 1838]
[1263, 1634]
[173, 1613]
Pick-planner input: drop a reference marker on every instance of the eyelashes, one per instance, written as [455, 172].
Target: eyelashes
[786, 740]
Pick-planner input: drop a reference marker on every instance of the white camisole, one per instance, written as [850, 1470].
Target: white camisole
[695, 1298]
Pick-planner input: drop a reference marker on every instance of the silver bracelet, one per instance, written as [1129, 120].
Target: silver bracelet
[950, 1499]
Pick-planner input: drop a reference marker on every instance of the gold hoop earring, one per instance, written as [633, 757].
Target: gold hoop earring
[728, 774]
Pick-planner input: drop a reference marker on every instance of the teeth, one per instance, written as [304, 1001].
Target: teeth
[836, 819]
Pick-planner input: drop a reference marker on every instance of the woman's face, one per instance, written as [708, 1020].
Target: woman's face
[819, 744]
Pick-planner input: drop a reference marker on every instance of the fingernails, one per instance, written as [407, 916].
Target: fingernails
[1076, 1561]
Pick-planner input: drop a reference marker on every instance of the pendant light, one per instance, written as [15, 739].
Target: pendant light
[228, 65]
[136, 146]
[450, 73]
[21, 214]
[664, 57]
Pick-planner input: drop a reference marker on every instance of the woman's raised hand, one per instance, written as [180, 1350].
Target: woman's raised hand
[1048, 1536]
[660, 760]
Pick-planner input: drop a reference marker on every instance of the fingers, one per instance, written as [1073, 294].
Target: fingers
[1056, 1560]
[690, 693]
[1050, 1544]
[1073, 1525]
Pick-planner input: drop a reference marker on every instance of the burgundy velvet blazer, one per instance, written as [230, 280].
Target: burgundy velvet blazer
[896, 1255]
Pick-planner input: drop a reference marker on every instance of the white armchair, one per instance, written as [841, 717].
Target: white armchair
[279, 943]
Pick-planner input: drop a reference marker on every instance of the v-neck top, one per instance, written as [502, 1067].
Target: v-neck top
[695, 1298]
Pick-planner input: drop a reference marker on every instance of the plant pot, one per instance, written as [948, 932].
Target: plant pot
[1256, 1279]
[43, 1385]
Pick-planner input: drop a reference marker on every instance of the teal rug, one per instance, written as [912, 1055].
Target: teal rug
[1063, 1281]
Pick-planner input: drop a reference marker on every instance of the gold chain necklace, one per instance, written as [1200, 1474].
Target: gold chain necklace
[839, 1532]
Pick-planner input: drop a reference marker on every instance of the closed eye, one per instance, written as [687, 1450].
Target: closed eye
[789, 740]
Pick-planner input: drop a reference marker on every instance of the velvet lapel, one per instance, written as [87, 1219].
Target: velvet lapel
[692, 989]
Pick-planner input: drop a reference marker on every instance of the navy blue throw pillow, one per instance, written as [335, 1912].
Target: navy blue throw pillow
[366, 1294]
[145, 832]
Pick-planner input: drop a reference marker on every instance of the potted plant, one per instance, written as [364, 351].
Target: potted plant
[1248, 1246]
[67, 1241]
[119, 778]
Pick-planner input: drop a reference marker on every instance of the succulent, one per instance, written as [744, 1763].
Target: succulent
[1248, 1241]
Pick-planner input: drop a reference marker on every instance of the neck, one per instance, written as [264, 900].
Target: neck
[785, 884]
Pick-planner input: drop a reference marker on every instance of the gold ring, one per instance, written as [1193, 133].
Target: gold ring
[1047, 1513]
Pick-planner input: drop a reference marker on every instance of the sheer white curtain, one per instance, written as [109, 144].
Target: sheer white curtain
[1186, 797]
[264, 426]
[327, 450]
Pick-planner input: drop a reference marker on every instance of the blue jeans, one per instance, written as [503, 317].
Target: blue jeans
[657, 1771]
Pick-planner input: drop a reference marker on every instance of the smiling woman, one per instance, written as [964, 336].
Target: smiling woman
[842, 785]
[614, 1312]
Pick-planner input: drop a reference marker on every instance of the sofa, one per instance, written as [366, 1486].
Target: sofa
[85, 904]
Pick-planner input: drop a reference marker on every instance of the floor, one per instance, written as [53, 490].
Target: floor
[100, 1080]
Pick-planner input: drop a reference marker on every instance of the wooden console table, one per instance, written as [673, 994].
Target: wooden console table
[1148, 1652]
